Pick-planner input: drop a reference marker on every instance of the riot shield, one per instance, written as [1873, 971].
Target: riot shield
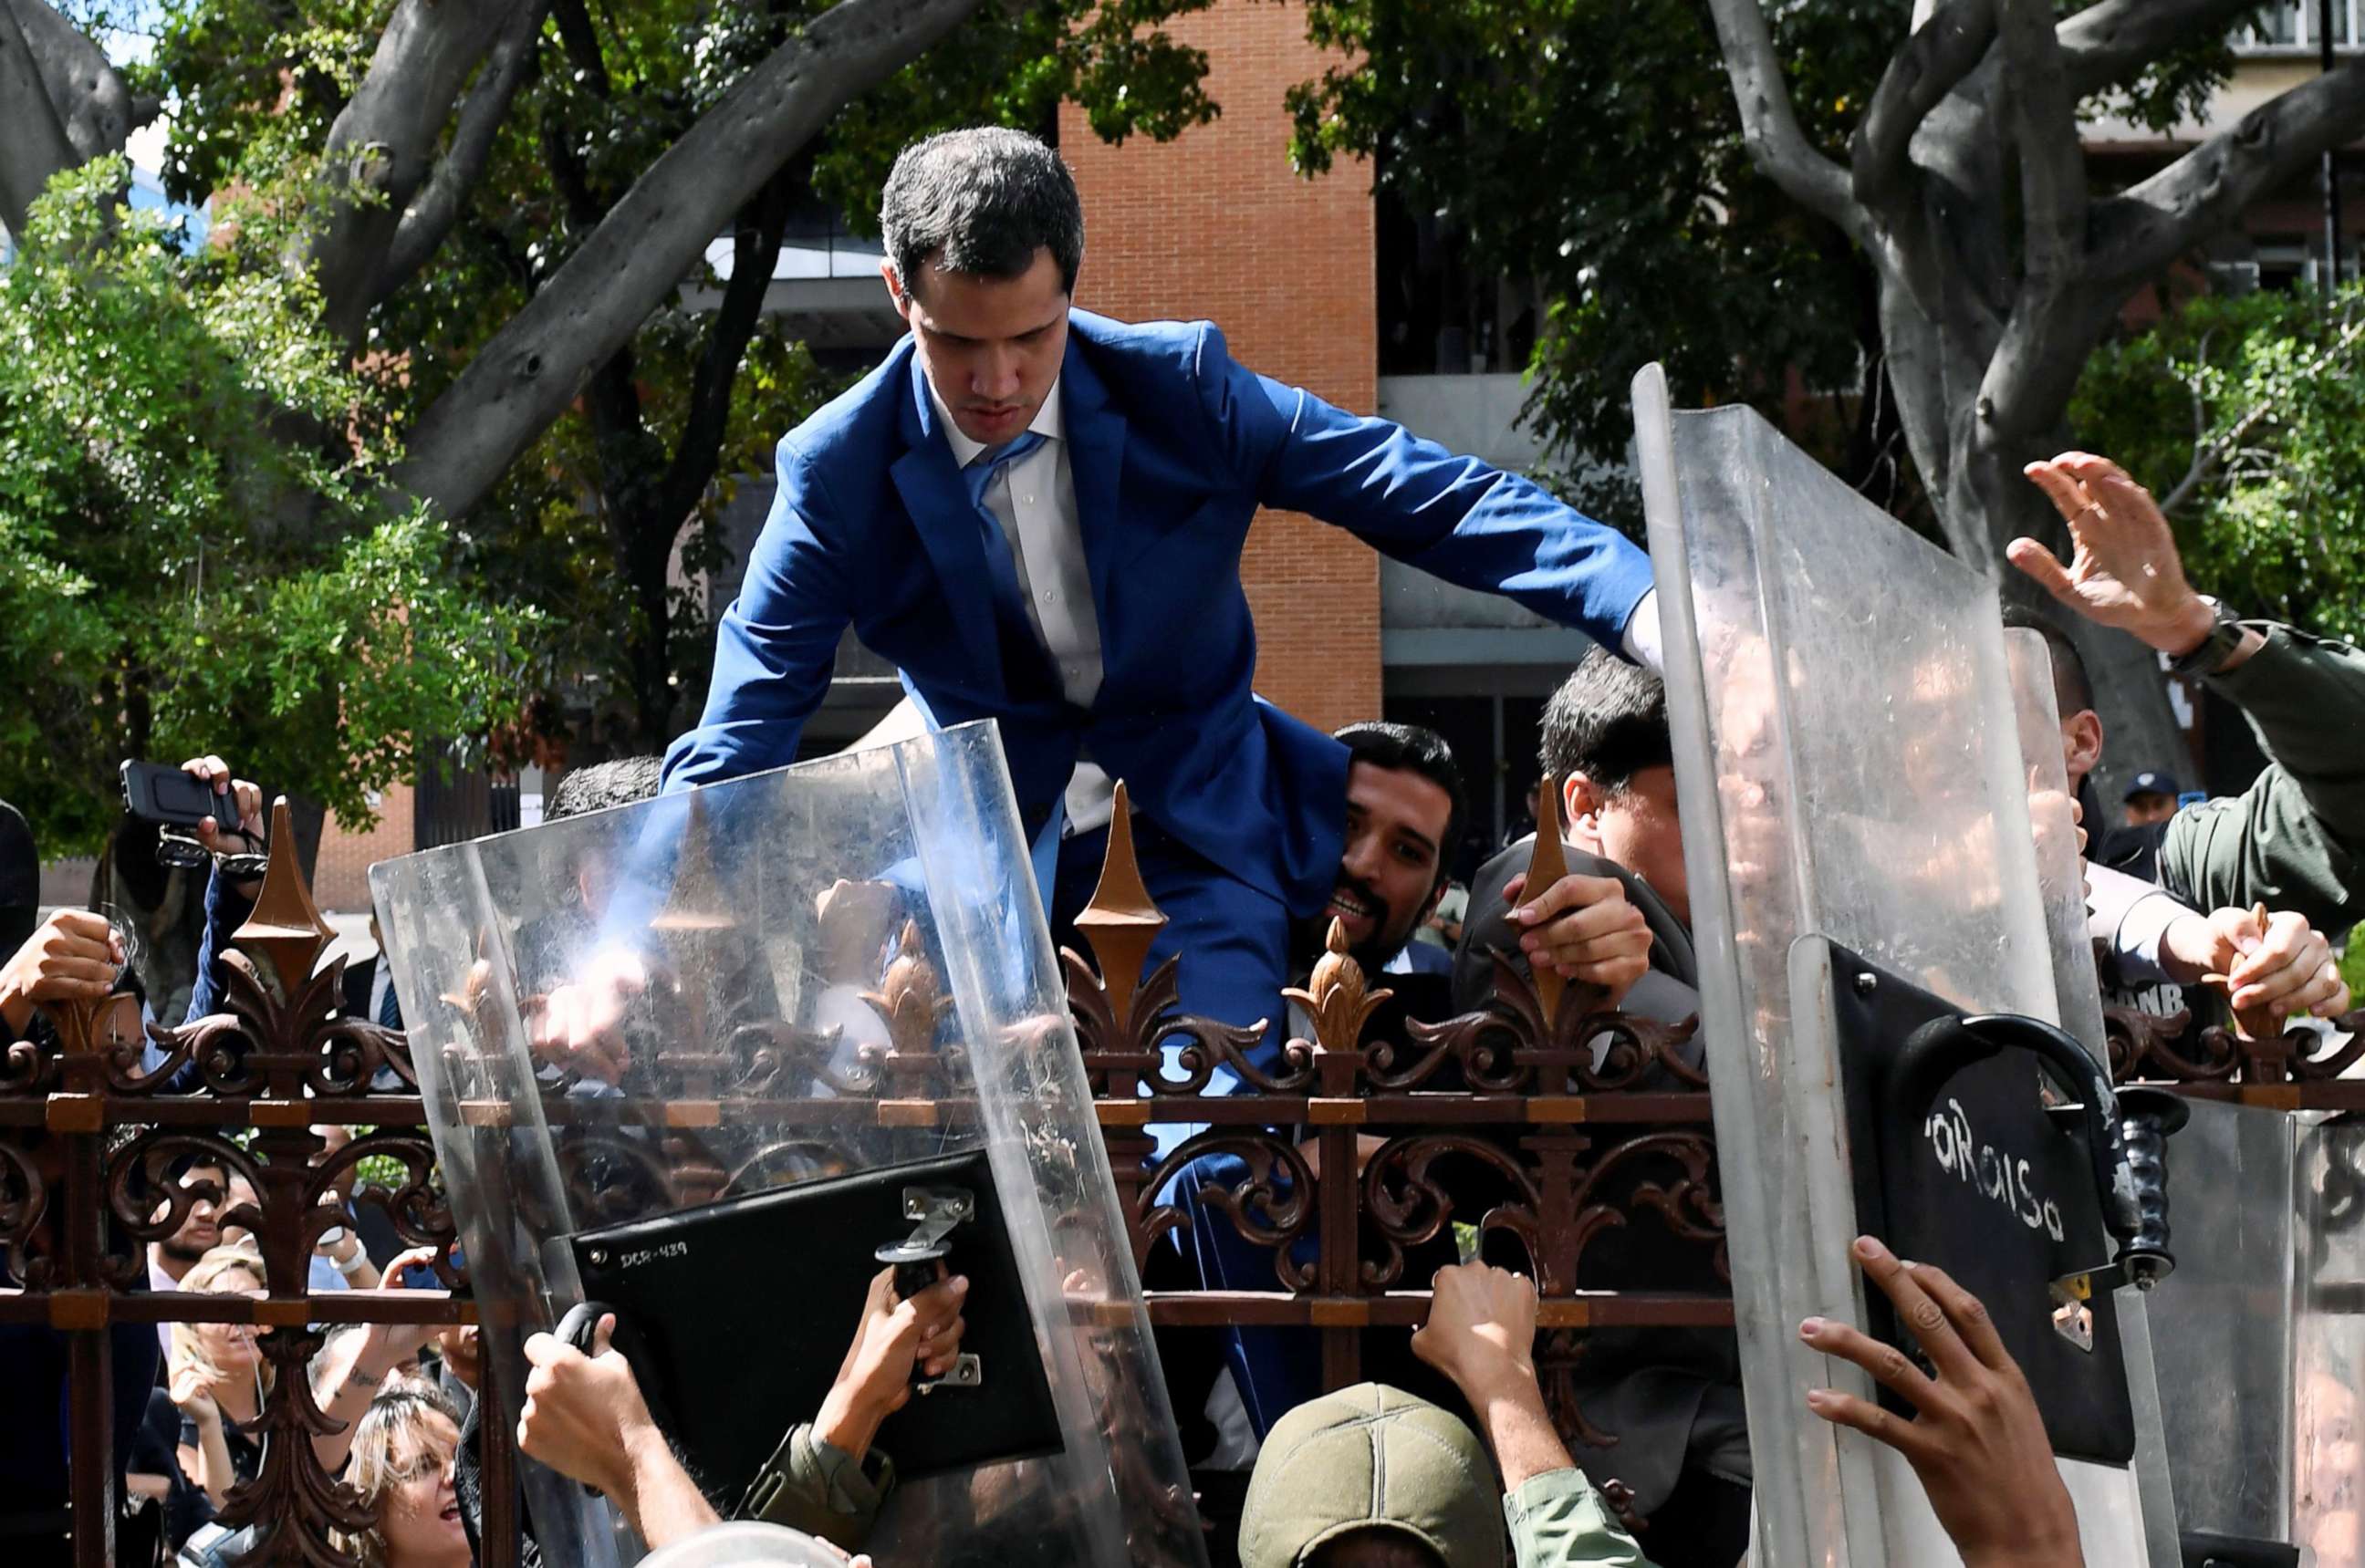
[2264, 1324]
[1854, 791]
[826, 1039]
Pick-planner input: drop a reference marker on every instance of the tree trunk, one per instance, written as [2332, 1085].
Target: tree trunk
[1971, 466]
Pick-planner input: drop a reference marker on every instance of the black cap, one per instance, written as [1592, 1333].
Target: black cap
[2151, 784]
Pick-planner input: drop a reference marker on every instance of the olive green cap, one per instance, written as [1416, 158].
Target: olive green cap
[1371, 1455]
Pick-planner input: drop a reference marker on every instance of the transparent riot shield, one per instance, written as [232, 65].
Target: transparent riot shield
[2265, 1326]
[1849, 762]
[718, 1032]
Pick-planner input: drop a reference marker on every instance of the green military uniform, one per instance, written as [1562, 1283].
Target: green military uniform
[1558, 1520]
[2296, 839]
[816, 1487]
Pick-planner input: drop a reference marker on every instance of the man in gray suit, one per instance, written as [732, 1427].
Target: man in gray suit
[1672, 1397]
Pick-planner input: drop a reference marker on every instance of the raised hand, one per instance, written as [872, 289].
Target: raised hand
[1977, 1441]
[2124, 569]
[73, 955]
[244, 833]
[874, 1380]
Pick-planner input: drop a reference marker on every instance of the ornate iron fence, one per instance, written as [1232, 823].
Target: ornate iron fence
[1354, 1154]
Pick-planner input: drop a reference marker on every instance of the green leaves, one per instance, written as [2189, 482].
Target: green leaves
[1594, 147]
[194, 555]
[2267, 391]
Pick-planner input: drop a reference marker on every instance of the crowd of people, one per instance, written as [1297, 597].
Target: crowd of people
[960, 508]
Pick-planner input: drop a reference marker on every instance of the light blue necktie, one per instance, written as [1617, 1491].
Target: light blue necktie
[1019, 642]
[1001, 564]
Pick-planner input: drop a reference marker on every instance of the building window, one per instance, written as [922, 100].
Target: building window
[2290, 27]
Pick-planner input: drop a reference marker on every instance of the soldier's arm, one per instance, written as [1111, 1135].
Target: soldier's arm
[2292, 841]
[812, 1486]
[2295, 839]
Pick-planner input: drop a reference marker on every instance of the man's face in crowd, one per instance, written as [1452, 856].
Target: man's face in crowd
[1374, 1547]
[1387, 873]
[200, 1229]
[1638, 827]
[991, 346]
[2149, 807]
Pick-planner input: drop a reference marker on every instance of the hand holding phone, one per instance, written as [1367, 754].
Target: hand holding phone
[174, 797]
[224, 815]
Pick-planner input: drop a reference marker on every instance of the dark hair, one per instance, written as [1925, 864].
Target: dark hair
[2073, 690]
[604, 784]
[981, 202]
[1408, 748]
[1607, 721]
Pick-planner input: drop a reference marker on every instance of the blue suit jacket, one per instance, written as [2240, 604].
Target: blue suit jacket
[1173, 447]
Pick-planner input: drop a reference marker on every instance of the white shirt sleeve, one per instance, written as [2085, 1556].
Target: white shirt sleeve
[2131, 916]
[1642, 638]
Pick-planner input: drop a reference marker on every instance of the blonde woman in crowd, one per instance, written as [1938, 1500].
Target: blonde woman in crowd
[218, 1377]
[403, 1463]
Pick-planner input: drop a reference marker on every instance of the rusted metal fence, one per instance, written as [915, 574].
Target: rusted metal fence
[1356, 1157]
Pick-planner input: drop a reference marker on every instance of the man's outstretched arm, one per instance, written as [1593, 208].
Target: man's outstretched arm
[775, 646]
[1455, 517]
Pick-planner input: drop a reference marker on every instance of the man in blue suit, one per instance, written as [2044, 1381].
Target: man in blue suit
[1037, 514]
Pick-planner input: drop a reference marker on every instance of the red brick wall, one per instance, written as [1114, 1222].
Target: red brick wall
[340, 880]
[1216, 224]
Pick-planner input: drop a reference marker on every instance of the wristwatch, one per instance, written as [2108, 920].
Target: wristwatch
[2225, 637]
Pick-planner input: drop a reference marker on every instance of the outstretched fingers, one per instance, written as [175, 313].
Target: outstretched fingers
[1928, 1321]
[1891, 1367]
[1883, 1426]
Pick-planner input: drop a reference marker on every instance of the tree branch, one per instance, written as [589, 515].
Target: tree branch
[1769, 125]
[2043, 119]
[581, 40]
[385, 140]
[762, 226]
[532, 367]
[92, 102]
[2106, 44]
[33, 144]
[2205, 457]
[429, 218]
[2205, 191]
[1942, 51]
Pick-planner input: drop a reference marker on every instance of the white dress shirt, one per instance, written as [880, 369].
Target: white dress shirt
[1034, 499]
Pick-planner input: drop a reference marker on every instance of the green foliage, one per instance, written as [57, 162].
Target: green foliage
[194, 553]
[1594, 146]
[2271, 385]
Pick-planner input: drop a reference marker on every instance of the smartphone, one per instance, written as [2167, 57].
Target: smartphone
[157, 793]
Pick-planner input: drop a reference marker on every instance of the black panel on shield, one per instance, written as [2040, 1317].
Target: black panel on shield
[744, 1309]
[1987, 1188]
